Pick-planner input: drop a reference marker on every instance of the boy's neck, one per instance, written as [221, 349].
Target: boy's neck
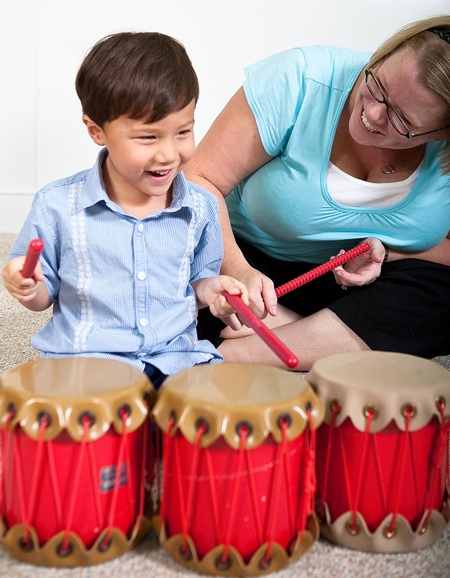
[131, 200]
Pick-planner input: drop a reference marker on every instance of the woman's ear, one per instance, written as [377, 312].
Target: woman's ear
[95, 132]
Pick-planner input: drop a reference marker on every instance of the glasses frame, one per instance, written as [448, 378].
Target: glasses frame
[390, 110]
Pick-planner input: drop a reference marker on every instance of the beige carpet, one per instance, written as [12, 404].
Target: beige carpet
[149, 560]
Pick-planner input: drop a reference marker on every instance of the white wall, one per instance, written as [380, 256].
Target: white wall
[42, 43]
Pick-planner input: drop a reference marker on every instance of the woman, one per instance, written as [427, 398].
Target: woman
[321, 149]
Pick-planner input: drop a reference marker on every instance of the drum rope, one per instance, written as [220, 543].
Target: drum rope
[243, 432]
[144, 472]
[167, 452]
[309, 480]
[254, 496]
[335, 410]
[437, 465]
[3, 440]
[275, 493]
[93, 468]
[214, 495]
[65, 546]
[28, 520]
[408, 412]
[187, 513]
[54, 478]
[354, 504]
[124, 414]
[158, 469]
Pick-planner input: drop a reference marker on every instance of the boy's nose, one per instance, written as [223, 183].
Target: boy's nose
[167, 151]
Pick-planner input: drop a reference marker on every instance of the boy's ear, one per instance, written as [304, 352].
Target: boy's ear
[95, 132]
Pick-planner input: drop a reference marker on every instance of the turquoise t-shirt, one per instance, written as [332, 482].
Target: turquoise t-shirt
[285, 208]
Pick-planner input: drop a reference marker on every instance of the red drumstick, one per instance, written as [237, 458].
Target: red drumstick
[35, 249]
[321, 269]
[247, 315]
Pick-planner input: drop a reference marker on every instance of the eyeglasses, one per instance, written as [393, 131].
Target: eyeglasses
[373, 85]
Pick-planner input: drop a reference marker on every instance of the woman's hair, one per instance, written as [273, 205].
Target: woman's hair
[140, 75]
[432, 49]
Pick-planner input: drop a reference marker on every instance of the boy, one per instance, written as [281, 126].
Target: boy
[131, 249]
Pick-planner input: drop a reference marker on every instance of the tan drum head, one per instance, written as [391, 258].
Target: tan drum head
[388, 382]
[66, 389]
[226, 395]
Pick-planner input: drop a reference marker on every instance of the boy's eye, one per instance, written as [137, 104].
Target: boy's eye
[185, 132]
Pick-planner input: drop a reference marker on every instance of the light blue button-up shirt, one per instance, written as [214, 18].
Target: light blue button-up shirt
[121, 286]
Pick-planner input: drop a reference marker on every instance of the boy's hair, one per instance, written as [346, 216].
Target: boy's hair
[140, 75]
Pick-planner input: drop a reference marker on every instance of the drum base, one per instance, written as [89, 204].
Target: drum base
[78, 555]
[234, 565]
[403, 539]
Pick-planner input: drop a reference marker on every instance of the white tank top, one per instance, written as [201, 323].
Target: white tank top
[349, 191]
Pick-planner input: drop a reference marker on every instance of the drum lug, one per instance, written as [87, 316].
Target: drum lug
[370, 411]
[353, 528]
[390, 532]
[409, 409]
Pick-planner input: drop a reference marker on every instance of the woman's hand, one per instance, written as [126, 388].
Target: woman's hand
[363, 269]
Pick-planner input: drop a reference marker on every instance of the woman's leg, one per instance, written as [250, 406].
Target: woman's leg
[309, 338]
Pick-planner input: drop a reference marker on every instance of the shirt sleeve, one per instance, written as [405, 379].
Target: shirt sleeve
[208, 254]
[274, 89]
[37, 225]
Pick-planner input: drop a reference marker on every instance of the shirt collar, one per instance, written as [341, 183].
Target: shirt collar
[94, 190]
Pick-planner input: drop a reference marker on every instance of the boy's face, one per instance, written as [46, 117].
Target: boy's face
[143, 158]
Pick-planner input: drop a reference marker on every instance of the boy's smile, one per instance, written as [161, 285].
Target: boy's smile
[144, 158]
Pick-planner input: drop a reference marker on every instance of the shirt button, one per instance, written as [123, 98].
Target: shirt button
[140, 227]
[143, 321]
[141, 275]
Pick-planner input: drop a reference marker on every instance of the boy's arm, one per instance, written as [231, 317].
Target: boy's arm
[32, 293]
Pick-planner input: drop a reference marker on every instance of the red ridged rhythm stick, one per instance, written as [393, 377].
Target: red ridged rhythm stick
[321, 269]
[35, 249]
[250, 319]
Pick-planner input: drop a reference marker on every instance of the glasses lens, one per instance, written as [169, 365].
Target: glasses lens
[373, 87]
[396, 121]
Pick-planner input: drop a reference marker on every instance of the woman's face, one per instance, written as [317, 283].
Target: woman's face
[420, 109]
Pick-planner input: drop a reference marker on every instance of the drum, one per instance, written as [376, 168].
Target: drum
[74, 460]
[382, 450]
[238, 467]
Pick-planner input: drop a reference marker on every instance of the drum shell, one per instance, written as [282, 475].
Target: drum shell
[60, 478]
[382, 487]
[232, 481]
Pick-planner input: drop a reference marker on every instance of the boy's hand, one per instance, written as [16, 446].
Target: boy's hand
[31, 292]
[210, 293]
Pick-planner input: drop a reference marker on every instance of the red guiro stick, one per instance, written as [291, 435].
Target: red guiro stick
[35, 249]
[321, 269]
[250, 319]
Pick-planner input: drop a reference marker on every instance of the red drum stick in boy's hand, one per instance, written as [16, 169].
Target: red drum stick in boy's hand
[35, 249]
[250, 319]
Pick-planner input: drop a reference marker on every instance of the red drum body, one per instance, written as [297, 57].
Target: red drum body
[74, 460]
[238, 468]
[382, 451]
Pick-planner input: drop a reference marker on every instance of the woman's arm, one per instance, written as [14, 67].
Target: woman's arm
[230, 151]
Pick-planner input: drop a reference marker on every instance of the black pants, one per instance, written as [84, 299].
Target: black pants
[406, 310]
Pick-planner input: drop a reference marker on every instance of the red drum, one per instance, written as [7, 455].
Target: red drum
[73, 460]
[238, 467]
[382, 451]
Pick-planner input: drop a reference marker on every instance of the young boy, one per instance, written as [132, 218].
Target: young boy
[131, 249]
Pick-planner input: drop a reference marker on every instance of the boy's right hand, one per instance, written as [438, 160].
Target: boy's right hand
[31, 292]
